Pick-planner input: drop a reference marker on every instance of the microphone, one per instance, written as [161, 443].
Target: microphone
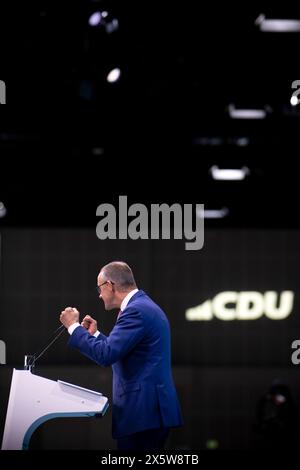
[31, 360]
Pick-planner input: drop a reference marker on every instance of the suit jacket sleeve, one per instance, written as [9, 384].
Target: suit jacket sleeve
[101, 336]
[128, 331]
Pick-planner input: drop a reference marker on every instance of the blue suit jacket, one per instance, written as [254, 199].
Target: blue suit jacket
[138, 348]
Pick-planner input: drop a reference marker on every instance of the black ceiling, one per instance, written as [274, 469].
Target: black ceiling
[69, 140]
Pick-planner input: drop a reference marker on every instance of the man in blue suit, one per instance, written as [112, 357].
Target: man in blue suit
[145, 404]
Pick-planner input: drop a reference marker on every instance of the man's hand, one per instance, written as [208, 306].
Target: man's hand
[89, 324]
[69, 316]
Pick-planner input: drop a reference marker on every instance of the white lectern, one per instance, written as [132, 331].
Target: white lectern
[34, 400]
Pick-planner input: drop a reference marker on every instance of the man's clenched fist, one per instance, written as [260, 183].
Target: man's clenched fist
[89, 324]
[69, 316]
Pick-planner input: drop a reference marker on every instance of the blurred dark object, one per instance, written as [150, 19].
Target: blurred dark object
[277, 425]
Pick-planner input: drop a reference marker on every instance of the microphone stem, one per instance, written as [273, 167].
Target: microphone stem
[48, 346]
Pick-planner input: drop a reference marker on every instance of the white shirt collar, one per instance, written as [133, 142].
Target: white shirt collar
[127, 298]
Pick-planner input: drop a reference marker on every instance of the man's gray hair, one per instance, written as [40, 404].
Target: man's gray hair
[120, 274]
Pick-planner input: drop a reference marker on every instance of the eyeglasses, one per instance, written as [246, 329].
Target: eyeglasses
[99, 287]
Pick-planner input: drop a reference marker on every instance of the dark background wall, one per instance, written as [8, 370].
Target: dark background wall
[221, 368]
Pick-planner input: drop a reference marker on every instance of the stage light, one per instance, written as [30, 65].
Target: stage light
[2, 210]
[229, 174]
[241, 141]
[235, 113]
[111, 26]
[277, 25]
[113, 75]
[212, 444]
[213, 213]
[217, 141]
[105, 20]
[214, 141]
[294, 100]
[95, 18]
